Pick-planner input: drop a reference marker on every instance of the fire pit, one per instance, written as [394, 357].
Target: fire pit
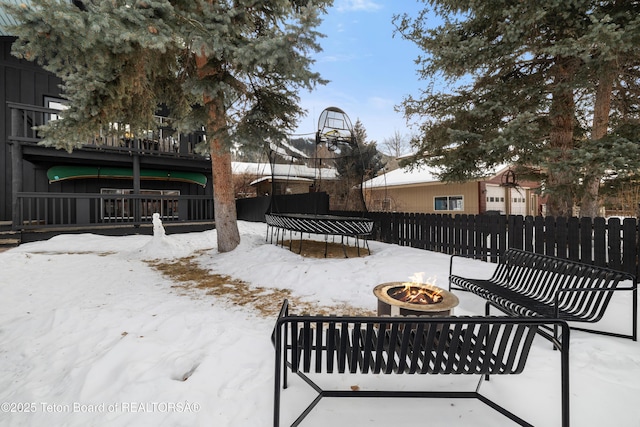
[415, 299]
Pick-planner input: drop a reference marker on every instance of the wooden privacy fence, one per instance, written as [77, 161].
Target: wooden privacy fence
[609, 243]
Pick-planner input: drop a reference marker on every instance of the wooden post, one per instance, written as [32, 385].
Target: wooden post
[136, 202]
[16, 183]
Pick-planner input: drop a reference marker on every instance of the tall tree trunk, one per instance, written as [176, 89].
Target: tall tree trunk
[589, 205]
[562, 111]
[224, 202]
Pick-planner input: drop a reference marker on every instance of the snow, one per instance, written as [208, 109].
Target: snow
[92, 334]
[291, 148]
[419, 174]
[282, 170]
[403, 176]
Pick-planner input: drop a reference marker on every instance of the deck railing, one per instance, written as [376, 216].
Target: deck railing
[49, 210]
[161, 140]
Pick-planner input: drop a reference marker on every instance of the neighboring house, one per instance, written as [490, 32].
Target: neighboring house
[419, 190]
[116, 169]
[285, 178]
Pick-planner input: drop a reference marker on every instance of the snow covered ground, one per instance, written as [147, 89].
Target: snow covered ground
[91, 334]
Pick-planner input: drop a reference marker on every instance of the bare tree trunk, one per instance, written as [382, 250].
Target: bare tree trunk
[224, 201]
[560, 180]
[590, 204]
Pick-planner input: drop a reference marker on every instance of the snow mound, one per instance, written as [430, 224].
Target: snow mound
[161, 246]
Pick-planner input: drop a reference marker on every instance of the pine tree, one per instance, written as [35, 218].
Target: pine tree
[550, 86]
[234, 67]
[358, 162]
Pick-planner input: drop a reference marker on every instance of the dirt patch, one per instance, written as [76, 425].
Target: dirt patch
[316, 249]
[193, 280]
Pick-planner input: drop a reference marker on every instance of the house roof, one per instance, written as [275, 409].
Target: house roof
[284, 171]
[403, 176]
[7, 20]
[418, 175]
[281, 178]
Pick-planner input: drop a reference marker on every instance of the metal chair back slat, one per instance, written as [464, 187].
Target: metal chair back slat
[331, 346]
[319, 345]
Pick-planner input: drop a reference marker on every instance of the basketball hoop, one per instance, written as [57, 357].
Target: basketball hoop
[509, 179]
[334, 127]
[332, 138]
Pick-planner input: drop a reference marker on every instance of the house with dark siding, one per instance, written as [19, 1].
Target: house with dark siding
[113, 179]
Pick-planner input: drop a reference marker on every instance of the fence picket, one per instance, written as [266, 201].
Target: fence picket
[630, 246]
[515, 231]
[538, 246]
[528, 233]
[599, 242]
[550, 236]
[561, 238]
[451, 244]
[573, 235]
[502, 236]
[613, 236]
[586, 240]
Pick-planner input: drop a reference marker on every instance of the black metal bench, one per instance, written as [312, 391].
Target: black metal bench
[529, 284]
[482, 346]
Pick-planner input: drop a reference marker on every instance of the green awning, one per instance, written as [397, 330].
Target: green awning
[61, 173]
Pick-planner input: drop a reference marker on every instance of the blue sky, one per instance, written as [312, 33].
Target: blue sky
[370, 71]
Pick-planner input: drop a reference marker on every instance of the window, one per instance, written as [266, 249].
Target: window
[448, 203]
[54, 104]
[115, 207]
[120, 205]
